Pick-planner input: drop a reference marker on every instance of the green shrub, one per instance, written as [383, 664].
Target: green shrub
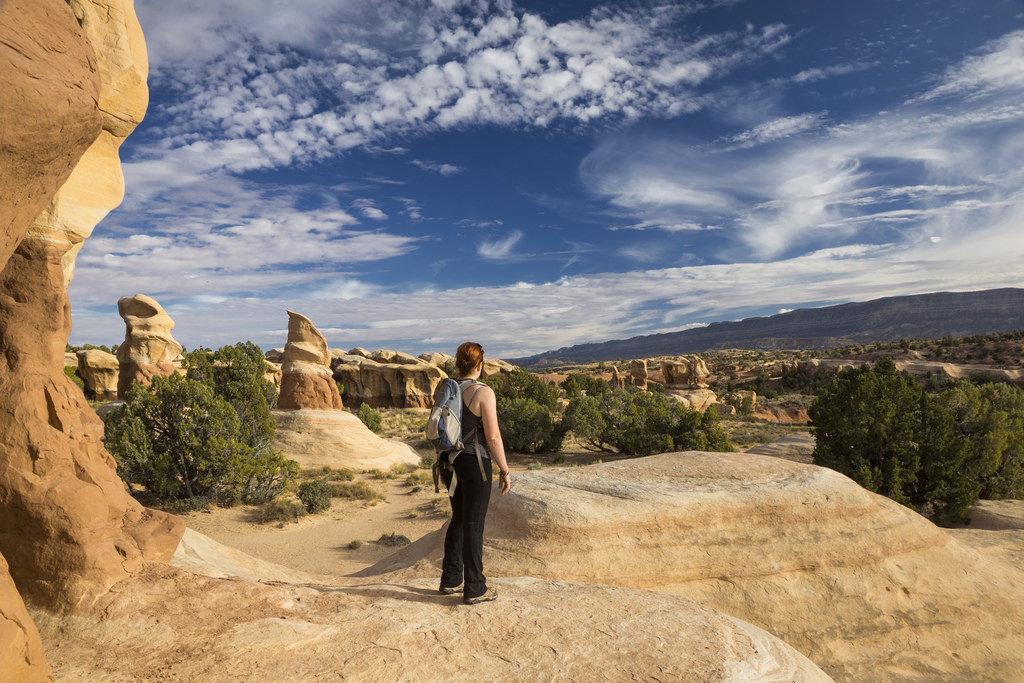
[393, 539]
[315, 495]
[427, 460]
[359, 490]
[281, 510]
[207, 435]
[936, 452]
[525, 385]
[642, 423]
[370, 418]
[355, 544]
[72, 372]
[527, 427]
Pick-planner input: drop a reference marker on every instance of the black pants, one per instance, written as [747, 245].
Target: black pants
[464, 542]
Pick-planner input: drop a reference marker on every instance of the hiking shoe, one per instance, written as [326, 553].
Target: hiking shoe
[445, 590]
[492, 594]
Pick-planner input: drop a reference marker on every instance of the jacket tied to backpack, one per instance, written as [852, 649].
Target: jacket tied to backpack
[444, 431]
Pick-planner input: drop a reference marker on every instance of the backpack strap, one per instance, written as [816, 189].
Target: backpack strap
[476, 447]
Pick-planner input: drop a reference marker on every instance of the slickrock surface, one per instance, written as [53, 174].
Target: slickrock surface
[997, 528]
[68, 529]
[314, 438]
[796, 447]
[99, 371]
[307, 382]
[221, 629]
[866, 588]
[148, 349]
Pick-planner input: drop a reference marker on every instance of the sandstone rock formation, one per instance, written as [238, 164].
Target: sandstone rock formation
[226, 628]
[438, 359]
[699, 399]
[21, 650]
[798, 447]
[638, 373]
[390, 385]
[148, 349]
[68, 528]
[396, 357]
[685, 371]
[307, 382]
[99, 371]
[866, 588]
[273, 373]
[314, 438]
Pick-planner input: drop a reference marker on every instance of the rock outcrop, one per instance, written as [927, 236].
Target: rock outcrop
[638, 373]
[685, 371]
[866, 588]
[920, 368]
[306, 381]
[387, 385]
[402, 630]
[21, 649]
[99, 371]
[314, 438]
[148, 349]
[68, 528]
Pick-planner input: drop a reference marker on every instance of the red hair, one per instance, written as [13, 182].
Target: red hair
[469, 355]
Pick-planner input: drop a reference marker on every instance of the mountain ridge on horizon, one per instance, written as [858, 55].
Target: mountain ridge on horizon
[918, 316]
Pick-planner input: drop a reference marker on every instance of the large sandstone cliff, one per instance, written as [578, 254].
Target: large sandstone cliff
[68, 528]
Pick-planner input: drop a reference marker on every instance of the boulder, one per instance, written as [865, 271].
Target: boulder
[273, 373]
[360, 351]
[21, 649]
[388, 385]
[314, 438]
[99, 371]
[395, 357]
[865, 587]
[275, 356]
[699, 399]
[437, 359]
[70, 360]
[306, 380]
[685, 371]
[68, 528]
[148, 349]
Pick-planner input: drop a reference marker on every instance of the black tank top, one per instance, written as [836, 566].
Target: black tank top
[472, 424]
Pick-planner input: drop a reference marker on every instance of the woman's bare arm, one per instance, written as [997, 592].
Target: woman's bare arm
[495, 446]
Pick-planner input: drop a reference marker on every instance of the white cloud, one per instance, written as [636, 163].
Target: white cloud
[501, 249]
[998, 68]
[778, 129]
[435, 167]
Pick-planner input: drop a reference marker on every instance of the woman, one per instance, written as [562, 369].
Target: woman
[464, 542]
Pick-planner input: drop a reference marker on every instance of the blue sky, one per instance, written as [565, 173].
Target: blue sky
[412, 174]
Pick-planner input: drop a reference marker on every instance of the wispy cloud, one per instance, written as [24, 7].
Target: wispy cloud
[501, 249]
[435, 167]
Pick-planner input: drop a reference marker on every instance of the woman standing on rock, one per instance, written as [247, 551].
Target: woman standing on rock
[464, 542]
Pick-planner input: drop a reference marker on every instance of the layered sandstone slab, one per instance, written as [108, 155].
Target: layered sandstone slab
[149, 350]
[337, 438]
[387, 385]
[866, 588]
[219, 629]
[306, 381]
[685, 371]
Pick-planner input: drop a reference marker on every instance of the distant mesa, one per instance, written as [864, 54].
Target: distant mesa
[922, 316]
[148, 349]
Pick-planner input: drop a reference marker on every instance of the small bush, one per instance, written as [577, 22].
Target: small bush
[358, 490]
[381, 474]
[282, 510]
[355, 544]
[72, 372]
[401, 468]
[370, 418]
[393, 539]
[342, 474]
[315, 495]
[418, 479]
[427, 460]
